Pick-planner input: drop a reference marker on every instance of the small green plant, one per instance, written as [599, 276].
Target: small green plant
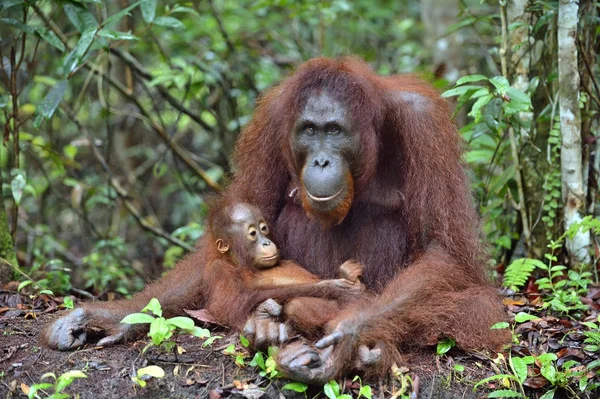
[332, 391]
[68, 302]
[162, 329]
[144, 373]
[299, 387]
[363, 390]
[444, 346]
[401, 375]
[268, 365]
[57, 387]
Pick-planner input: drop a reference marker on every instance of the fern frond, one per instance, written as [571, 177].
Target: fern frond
[518, 272]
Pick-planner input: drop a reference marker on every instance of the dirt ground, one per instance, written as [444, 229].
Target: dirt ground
[196, 373]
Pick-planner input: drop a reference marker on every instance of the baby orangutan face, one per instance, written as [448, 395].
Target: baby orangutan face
[246, 238]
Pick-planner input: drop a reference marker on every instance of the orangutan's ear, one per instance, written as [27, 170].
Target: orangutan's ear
[222, 246]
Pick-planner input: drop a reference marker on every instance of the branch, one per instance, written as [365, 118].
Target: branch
[179, 152]
[121, 192]
[143, 72]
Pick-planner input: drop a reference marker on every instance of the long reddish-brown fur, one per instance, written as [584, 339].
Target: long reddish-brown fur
[411, 223]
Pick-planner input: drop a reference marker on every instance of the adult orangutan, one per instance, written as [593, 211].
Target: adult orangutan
[346, 164]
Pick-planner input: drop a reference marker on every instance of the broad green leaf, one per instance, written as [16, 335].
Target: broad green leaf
[148, 10]
[457, 91]
[159, 330]
[114, 35]
[546, 358]
[548, 395]
[295, 386]
[444, 346]
[6, 4]
[51, 38]
[114, 18]
[549, 372]
[479, 104]
[17, 185]
[24, 284]
[366, 391]
[80, 17]
[48, 106]
[152, 371]
[331, 390]
[154, 307]
[137, 318]
[19, 25]
[494, 378]
[470, 78]
[185, 323]
[505, 393]
[244, 341]
[200, 332]
[522, 317]
[500, 83]
[519, 367]
[170, 22]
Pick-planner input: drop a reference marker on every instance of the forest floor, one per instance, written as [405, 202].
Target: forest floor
[197, 372]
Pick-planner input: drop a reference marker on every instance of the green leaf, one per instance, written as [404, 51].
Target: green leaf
[457, 91]
[479, 104]
[80, 17]
[114, 18]
[154, 307]
[494, 378]
[85, 41]
[73, 374]
[549, 372]
[500, 83]
[137, 318]
[522, 317]
[331, 389]
[547, 358]
[152, 371]
[6, 4]
[295, 386]
[470, 78]
[17, 185]
[114, 35]
[519, 367]
[258, 361]
[459, 367]
[505, 393]
[48, 106]
[19, 25]
[519, 271]
[148, 10]
[68, 302]
[366, 391]
[444, 346]
[24, 284]
[500, 326]
[548, 395]
[51, 38]
[159, 330]
[185, 323]
[170, 22]
[200, 332]
[244, 341]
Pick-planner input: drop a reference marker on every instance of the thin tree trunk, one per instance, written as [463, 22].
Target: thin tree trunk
[7, 250]
[570, 125]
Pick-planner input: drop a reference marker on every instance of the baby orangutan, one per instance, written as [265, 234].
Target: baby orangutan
[245, 271]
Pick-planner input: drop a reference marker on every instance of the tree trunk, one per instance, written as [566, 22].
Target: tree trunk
[573, 192]
[7, 250]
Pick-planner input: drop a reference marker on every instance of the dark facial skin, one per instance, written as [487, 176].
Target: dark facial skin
[325, 146]
[249, 230]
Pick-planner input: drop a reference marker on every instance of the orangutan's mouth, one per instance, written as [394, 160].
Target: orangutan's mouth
[324, 199]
